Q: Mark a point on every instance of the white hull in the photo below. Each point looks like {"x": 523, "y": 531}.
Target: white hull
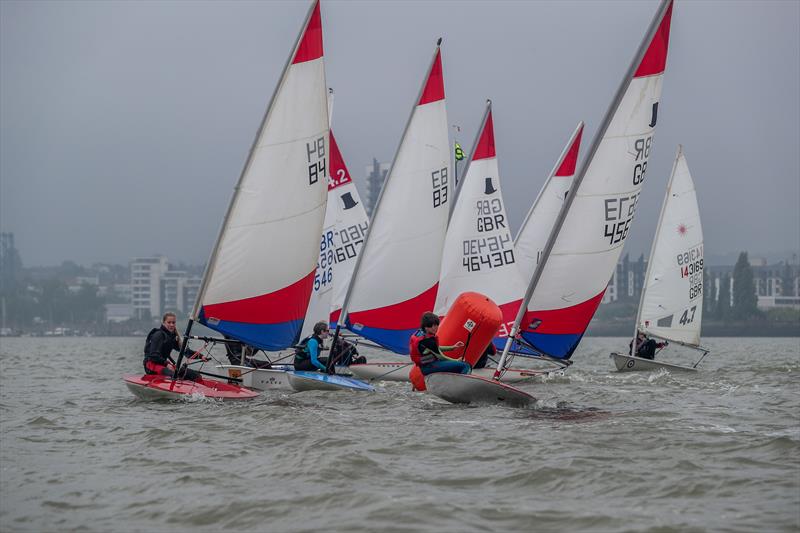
{"x": 468, "y": 388}
{"x": 258, "y": 378}
{"x": 627, "y": 363}
{"x": 400, "y": 372}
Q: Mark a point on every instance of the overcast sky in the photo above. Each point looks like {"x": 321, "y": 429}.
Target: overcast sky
{"x": 124, "y": 125}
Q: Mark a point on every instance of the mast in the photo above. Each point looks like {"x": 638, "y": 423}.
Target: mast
{"x": 471, "y": 154}
{"x": 330, "y": 105}
{"x": 354, "y": 276}
{"x": 214, "y": 252}
{"x": 652, "y": 251}
{"x": 598, "y": 138}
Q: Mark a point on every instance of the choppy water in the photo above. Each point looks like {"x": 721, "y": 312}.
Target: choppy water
{"x": 717, "y": 450}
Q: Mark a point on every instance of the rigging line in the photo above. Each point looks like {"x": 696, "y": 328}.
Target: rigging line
{"x": 705, "y": 353}
{"x": 390, "y": 371}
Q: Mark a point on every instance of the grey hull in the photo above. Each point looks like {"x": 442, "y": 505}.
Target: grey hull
{"x": 466, "y": 388}
{"x": 628, "y": 363}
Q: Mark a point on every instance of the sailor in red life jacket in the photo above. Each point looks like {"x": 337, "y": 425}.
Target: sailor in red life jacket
{"x": 426, "y": 352}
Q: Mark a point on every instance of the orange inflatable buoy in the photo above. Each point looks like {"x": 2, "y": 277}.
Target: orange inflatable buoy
{"x": 473, "y": 319}
{"x": 417, "y": 379}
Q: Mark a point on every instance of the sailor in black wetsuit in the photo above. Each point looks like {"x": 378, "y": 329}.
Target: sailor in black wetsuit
{"x": 158, "y": 347}
{"x": 646, "y": 348}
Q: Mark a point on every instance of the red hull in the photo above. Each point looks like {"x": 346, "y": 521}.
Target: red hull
{"x": 153, "y": 387}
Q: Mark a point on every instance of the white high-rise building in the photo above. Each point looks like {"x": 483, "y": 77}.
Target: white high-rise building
{"x": 146, "y": 275}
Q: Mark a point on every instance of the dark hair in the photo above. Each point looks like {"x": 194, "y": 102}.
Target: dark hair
{"x": 320, "y": 326}
{"x": 428, "y": 319}
{"x": 167, "y": 314}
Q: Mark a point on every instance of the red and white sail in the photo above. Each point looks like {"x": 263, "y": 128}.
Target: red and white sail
{"x": 478, "y": 250}
{"x": 260, "y": 275}
{"x": 398, "y": 270}
{"x": 532, "y": 235}
{"x": 672, "y": 297}
{"x": 587, "y": 239}
{"x": 346, "y": 224}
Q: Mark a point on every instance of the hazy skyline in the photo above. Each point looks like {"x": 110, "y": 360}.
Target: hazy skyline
{"x": 124, "y": 125}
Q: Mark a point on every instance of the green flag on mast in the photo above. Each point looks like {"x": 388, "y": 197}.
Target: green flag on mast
{"x": 459, "y": 152}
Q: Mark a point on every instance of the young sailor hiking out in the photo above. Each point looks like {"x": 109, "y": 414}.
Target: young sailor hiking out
{"x": 306, "y": 355}
{"x": 428, "y": 355}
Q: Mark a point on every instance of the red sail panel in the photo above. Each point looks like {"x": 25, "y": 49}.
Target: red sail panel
{"x": 403, "y": 315}
{"x": 276, "y": 307}
{"x": 339, "y": 173}
{"x": 567, "y": 167}
{"x": 655, "y": 59}
{"x": 434, "y": 86}
{"x": 485, "y": 147}
{"x": 310, "y": 47}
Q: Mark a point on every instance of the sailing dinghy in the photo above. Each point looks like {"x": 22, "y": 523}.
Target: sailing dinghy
{"x": 478, "y": 253}
{"x": 345, "y": 226}
{"x": 584, "y": 245}
{"x": 671, "y": 304}
{"x": 259, "y": 278}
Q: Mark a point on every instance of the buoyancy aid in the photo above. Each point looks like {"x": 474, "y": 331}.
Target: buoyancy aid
{"x": 413, "y": 348}
{"x": 147, "y": 341}
{"x": 301, "y": 348}
{"x": 159, "y": 345}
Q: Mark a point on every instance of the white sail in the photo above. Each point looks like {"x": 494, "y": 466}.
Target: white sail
{"x": 346, "y": 225}
{"x": 587, "y": 238}
{"x": 672, "y": 302}
{"x": 350, "y": 229}
{"x": 397, "y": 273}
{"x": 260, "y": 275}
{"x": 478, "y": 250}
{"x": 535, "y": 229}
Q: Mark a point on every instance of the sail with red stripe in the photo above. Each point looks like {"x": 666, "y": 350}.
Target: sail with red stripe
{"x": 479, "y": 251}
{"x": 587, "y": 238}
{"x": 346, "y": 224}
{"x": 397, "y": 272}
{"x": 261, "y": 272}
{"x": 535, "y": 229}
